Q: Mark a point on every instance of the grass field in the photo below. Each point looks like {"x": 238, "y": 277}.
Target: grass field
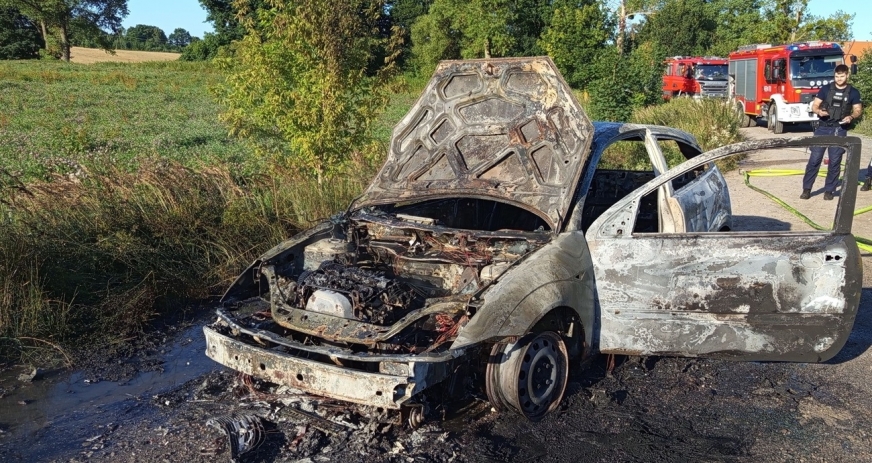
{"x": 122, "y": 198}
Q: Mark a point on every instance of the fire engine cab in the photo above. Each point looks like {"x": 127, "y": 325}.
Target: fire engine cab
{"x": 778, "y": 83}
{"x": 695, "y": 76}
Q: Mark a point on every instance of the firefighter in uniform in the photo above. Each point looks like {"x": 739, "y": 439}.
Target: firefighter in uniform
{"x": 837, "y": 104}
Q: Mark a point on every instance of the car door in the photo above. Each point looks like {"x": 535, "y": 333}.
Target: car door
{"x": 697, "y": 200}
{"x": 750, "y": 295}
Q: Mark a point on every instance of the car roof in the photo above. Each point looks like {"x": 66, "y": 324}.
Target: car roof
{"x": 606, "y": 133}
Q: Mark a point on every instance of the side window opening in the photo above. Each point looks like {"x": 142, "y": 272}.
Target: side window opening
{"x": 623, "y": 168}
{"x": 715, "y": 198}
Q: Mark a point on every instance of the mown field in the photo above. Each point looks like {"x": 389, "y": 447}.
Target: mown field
{"x": 81, "y": 55}
{"x": 122, "y": 199}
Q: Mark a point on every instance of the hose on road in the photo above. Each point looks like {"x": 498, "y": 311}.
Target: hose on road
{"x": 863, "y": 243}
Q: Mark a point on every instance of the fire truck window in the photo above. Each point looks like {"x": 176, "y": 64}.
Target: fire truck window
{"x": 767, "y": 70}
{"x": 682, "y": 70}
{"x": 779, "y": 70}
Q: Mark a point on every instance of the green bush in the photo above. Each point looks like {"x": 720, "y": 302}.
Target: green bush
{"x": 712, "y": 121}
{"x": 862, "y": 80}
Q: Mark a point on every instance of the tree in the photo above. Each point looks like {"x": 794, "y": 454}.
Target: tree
{"x": 680, "y": 27}
{"x": 834, "y": 28}
{"x": 738, "y": 23}
{"x": 625, "y": 82}
{"x": 786, "y": 21}
{"x": 226, "y": 17}
{"x": 180, "y": 38}
{"x": 529, "y": 20}
{"x": 19, "y": 38}
{"x": 462, "y": 29}
{"x": 59, "y": 20}
{"x": 575, "y": 40}
{"x": 402, "y": 14}
{"x": 144, "y": 37}
{"x": 862, "y": 80}
{"x": 297, "y": 86}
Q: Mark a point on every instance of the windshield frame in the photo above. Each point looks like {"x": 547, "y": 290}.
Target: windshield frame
{"x": 715, "y": 71}
{"x": 808, "y": 70}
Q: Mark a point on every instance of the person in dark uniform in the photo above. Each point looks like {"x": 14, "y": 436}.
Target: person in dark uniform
{"x": 837, "y": 104}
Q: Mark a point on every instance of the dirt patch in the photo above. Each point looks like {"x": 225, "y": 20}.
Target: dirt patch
{"x": 94, "y": 55}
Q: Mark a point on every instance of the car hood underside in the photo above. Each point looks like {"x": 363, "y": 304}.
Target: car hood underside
{"x": 503, "y": 129}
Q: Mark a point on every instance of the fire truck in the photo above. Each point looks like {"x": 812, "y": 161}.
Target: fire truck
{"x": 777, "y": 83}
{"x": 695, "y": 76}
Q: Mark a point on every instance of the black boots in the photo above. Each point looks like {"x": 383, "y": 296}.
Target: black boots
{"x": 805, "y": 194}
{"x": 867, "y": 184}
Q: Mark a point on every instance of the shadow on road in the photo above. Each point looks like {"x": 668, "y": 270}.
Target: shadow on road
{"x": 799, "y": 129}
{"x": 861, "y": 336}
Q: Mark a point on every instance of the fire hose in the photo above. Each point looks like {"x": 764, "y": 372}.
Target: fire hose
{"x": 863, "y": 243}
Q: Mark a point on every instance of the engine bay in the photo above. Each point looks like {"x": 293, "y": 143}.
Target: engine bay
{"x": 393, "y": 282}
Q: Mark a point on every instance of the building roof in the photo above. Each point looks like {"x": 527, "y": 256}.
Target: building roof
{"x": 856, "y": 47}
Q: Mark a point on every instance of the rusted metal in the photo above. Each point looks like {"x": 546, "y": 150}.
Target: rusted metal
{"x": 375, "y": 389}
{"x": 508, "y": 129}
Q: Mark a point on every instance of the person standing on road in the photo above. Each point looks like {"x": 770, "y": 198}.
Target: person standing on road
{"x": 837, "y": 104}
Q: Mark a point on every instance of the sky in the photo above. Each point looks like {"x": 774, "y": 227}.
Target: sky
{"x": 168, "y": 15}
{"x": 861, "y": 9}
{"x": 189, "y": 15}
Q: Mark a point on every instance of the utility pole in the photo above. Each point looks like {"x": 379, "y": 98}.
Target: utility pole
{"x": 623, "y": 16}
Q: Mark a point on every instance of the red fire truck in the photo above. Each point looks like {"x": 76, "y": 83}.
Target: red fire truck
{"x": 695, "y": 76}
{"x": 777, "y": 83}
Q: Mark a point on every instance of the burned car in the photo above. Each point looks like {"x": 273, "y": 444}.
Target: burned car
{"x": 493, "y": 244}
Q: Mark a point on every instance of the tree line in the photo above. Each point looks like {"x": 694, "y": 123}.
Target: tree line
{"x": 35, "y": 28}
{"x": 307, "y": 78}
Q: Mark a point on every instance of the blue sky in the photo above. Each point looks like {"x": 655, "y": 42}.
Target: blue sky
{"x": 862, "y": 10}
{"x": 189, "y": 15}
{"x": 168, "y": 15}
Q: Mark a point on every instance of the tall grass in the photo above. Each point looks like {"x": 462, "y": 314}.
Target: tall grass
{"x": 107, "y": 250}
{"x": 712, "y": 122}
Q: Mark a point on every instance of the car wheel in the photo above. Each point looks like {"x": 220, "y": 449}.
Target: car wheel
{"x": 528, "y": 376}
{"x": 774, "y": 124}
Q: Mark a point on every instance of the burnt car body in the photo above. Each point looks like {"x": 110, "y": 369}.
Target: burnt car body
{"x": 491, "y": 241}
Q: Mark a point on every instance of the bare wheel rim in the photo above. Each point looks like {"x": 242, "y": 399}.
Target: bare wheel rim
{"x": 533, "y": 377}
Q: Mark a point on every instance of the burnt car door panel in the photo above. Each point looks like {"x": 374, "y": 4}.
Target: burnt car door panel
{"x": 743, "y": 295}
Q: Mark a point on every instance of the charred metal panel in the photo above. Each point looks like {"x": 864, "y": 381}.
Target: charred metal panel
{"x": 772, "y": 298}
{"x": 507, "y": 129}
{"x": 308, "y": 351}
{"x": 557, "y": 275}
{"x": 375, "y": 389}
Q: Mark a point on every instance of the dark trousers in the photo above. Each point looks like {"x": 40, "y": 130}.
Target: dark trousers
{"x": 817, "y": 155}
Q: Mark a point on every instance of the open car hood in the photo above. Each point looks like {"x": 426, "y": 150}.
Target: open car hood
{"x": 506, "y": 129}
